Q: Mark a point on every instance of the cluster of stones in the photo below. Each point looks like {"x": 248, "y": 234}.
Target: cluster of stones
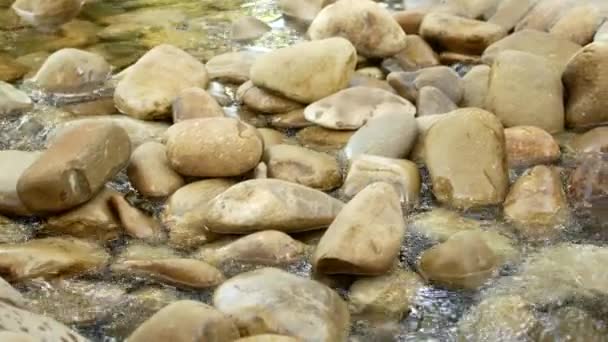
{"x": 373, "y": 98}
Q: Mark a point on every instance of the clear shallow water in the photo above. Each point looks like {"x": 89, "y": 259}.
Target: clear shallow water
{"x": 122, "y": 31}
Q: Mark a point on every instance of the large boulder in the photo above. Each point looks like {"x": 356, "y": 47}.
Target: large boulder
{"x": 213, "y": 147}
{"x": 148, "y": 95}
{"x": 74, "y": 168}
{"x": 263, "y": 204}
{"x": 310, "y": 70}
{"x": 372, "y": 29}
{"x": 270, "y": 300}
{"x": 465, "y": 155}
{"x": 525, "y": 90}
{"x": 586, "y": 80}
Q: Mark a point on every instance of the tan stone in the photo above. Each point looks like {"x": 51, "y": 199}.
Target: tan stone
{"x": 303, "y": 166}
{"x": 365, "y": 238}
{"x": 98, "y": 107}
{"x": 248, "y": 28}
{"x": 510, "y": 12}
{"x": 13, "y": 164}
{"x": 150, "y": 173}
{"x": 302, "y": 10}
{"x": 10, "y": 69}
{"x": 458, "y": 34}
{"x": 525, "y": 90}
{"x": 263, "y": 101}
{"x": 401, "y": 173}
{"x": 135, "y": 223}
{"x": 272, "y": 137}
{"x": 417, "y": 54}
{"x": 544, "y": 14}
{"x": 292, "y": 119}
{"x": 195, "y": 103}
{"x": 451, "y": 58}
{"x": 537, "y": 204}
{"x": 74, "y": 168}
{"x": 270, "y": 204}
{"x": 529, "y": 145}
{"x": 595, "y": 140}
{"x": 555, "y": 49}
{"x": 585, "y": 80}
{"x": 359, "y": 80}
{"x": 407, "y": 84}
{"x": 410, "y": 20}
{"x": 432, "y": 101}
{"x": 213, "y": 147}
{"x": 185, "y": 321}
{"x": 475, "y": 84}
{"x": 232, "y": 67}
{"x": 323, "y": 139}
{"x": 466, "y": 158}
{"x": 50, "y": 257}
{"x": 370, "y": 27}
{"x": 578, "y": 24}
{"x": 333, "y": 61}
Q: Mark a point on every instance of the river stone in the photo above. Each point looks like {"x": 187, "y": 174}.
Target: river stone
{"x": 271, "y": 137}
{"x": 588, "y": 187}
{"x": 11, "y": 69}
{"x": 184, "y": 212}
{"x": 74, "y": 168}
{"x": 475, "y": 85}
{"x": 418, "y": 54}
{"x": 501, "y": 318}
{"x": 263, "y": 204}
{"x": 402, "y": 174}
{"x": 93, "y": 220}
{"x": 50, "y": 257}
{"x": 310, "y": 70}
{"x": 72, "y": 71}
{"x": 302, "y": 10}
{"x": 83, "y": 302}
{"x": 466, "y": 158}
{"x": 179, "y": 272}
{"x": 270, "y": 300}
{"x": 365, "y": 238}
{"x": 291, "y": 119}
{"x": 135, "y": 223}
{"x": 268, "y": 248}
{"x": 10, "y": 296}
{"x": 248, "y": 28}
{"x": 433, "y": 101}
{"x": 595, "y": 140}
{"x": 195, "y": 103}
{"x": 194, "y": 146}
{"x": 407, "y": 84}
{"x": 12, "y": 100}
{"x": 303, "y": 166}
{"x": 544, "y": 14}
{"x": 232, "y": 67}
{"x": 360, "y": 80}
{"x": 578, "y": 24}
{"x": 139, "y": 131}
{"x": 97, "y": 107}
{"x": 150, "y": 172}
{"x": 323, "y": 139}
{"x": 38, "y": 327}
{"x": 47, "y": 15}
{"x": 390, "y": 135}
{"x": 440, "y": 224}
{"x": 424, "y": 123}
{"x": 571, "y": 321}
{"x": 509, "y": 12}
{"x": 351, "y": 108}
{"x": 529, "y": 146}
{"x": 524, "y": 89}
{"x": 148, "y": 95}
{"x": 362, "y": 22}
{"x": 585, "y": 79}
{"x": 263, "y": 101}
{"x": 537, "y": 204}
{"x": 458, "y": 34}
{"x": 13, "y": 164}
{"x": 555, "y": 49}
{"x": 384, "y": 297}
{"x": 410, "y": 19}
{"x": 268, "y": 338}
{"x": 186, "y": 321}
{"x": 463, "y": 261}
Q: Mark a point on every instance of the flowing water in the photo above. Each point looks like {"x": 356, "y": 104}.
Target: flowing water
{"x": 121, "y": 31}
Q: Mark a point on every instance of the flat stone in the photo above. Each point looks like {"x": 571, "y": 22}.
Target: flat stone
{"x": 98, "y": 107}
{"x": 365, "y": 238}
{"x": 466, "y": 158}
{"x": 451, "y": 58}
{"x": 279, "y": 205}
{"x": 47, "y": 15}
{"x": 544, "y": 14}
{"x": 529, "y": 146}
{"x": 263, "y": 101}
{"x": 459, "y": 34}
{"x": 525, "y": 90}
{"x": 361, "y": 22}
{"x": 150, "y": 173}
{"x": 269, "y": 300}
{"x": 333, "y": 61}
{"x": 351, "y": 108}
{"x": 323, "y": 139}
